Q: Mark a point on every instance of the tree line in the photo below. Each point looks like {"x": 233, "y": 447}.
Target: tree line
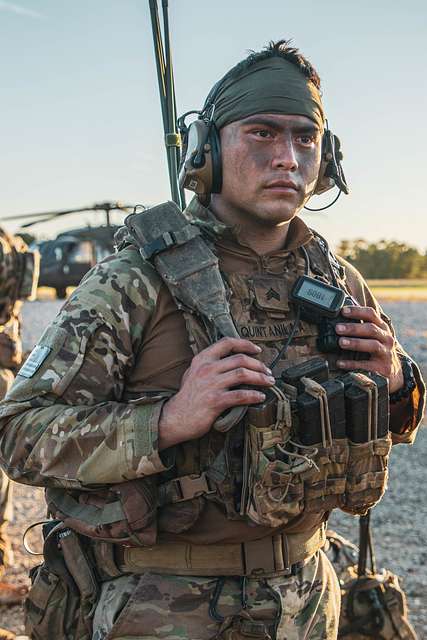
{"x": 384, "y": 259}
{"x": 377, "y": 260}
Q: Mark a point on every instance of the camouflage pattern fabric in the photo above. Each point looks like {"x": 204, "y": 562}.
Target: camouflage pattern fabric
{"x": 78, "y": 423}
{"x": 11, "y": 273}
{"x": 6, "y": 507}
{"x": 10, "y": 247}
{"x": 10, "y": 347}
{"x": 300, "y": 607}
{"x": 373, "y": 605}
{"x": 6, "y": 381}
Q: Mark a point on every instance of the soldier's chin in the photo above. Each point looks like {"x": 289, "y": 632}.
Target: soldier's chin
{"x": 280, "y": 211}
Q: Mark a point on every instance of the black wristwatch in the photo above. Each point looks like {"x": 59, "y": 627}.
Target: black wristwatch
{"x": 409, "y": 382}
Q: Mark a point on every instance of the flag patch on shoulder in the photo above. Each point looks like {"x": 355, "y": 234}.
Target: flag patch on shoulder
{"x": 34, "y": 361}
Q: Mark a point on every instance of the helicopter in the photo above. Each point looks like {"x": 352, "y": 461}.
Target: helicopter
{"x": 65, "y": 259}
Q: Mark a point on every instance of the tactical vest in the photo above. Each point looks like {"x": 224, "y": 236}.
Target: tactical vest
{"x": 236, "y": 464}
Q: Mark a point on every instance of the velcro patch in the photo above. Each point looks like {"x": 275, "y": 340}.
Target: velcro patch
{"x": 34, "y": 361}
{"x": 271, "y": 293}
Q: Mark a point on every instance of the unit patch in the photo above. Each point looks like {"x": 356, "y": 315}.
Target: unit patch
{"x": 34, "y": 361}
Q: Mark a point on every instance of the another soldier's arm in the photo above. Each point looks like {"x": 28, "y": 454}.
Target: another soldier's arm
{"x": 64, "y": 424}
{"x": 405, "y": 416}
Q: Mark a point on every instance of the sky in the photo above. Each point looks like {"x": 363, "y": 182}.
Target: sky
{"x": 80, "y": 118}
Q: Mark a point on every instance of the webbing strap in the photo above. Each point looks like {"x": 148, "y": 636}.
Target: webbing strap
{"x": 316, "y": 390}
{"x": 366, "y": 546}
{"x": 87, "y": 513}
{"x": 167, "y": 240}
{"x": 369, "y": 385}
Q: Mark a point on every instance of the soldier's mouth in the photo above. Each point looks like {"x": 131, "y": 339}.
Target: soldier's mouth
{"x": 282, "y": 187}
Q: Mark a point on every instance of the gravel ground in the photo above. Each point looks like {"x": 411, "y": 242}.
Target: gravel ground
{"x": 399, "y": 520}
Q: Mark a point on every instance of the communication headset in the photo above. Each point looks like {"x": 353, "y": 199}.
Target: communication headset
{"x": 201, "y": 168}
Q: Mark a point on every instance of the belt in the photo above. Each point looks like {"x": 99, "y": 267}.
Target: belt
{"x": 281, "y": 554}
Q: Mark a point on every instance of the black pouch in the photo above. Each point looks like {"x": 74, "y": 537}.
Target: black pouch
{"x": 310, "y": 409}
{"x": 369, "y": 441}
{"x": 317, "y": 369}
{"x": 63, "y": 595}
{"x": 321, "y": 422}
{"x": 358, "y": 406}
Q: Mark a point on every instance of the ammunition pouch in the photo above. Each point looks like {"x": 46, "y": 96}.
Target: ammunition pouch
{"x": 273, "y": 490}
{"x": 297, "y": 456}
{"x": 127, "y": 516}
{"x": 367, "y": 417}
{"x": 64, "y": 592}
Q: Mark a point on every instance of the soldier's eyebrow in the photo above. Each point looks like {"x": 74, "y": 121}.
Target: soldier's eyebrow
{"x": 265, "y": 121}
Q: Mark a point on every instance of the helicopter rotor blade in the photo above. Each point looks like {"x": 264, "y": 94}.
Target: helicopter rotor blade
{"x": 52, "y": 214}
{"x": 26, "y": 225}
{"x": 48, "y": 215}
{"x": 127, "y": 207}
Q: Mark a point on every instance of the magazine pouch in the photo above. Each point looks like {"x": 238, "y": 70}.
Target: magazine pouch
{"x": 367, "y": 414}
{"x": 64, "y": 591}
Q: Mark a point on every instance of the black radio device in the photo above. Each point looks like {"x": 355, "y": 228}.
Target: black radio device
{"x": 322, "y": 304}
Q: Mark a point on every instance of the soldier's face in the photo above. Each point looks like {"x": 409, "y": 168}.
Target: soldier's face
{"x": 270, "y": 165}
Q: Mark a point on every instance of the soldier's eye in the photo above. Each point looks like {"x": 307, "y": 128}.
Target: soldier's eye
{"x": 306, "y": 140}
{"x": 262, "y": 133}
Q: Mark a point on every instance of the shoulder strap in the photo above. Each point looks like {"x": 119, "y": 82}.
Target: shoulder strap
{"x": 184, "y": 261}
{"x": 319, "y": 250}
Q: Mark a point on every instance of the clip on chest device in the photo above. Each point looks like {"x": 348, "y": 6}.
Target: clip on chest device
{"x": 322, "y": 304}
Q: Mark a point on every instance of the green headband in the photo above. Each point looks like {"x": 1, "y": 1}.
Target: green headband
{"x": 272, "y": 85}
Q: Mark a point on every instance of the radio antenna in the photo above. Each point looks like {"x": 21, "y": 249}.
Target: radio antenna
{"x": 165, "y": 77}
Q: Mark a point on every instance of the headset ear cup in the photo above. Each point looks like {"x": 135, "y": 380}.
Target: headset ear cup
{"x": 215, "y": 144}
{"x": 324, "y": 182}
{"x": 331, "y": 173}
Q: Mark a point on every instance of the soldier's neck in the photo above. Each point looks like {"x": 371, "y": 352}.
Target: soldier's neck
{"x": 257, "y": 234}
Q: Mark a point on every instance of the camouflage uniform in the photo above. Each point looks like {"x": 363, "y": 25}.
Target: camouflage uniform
{"x": 287, "y": 608}
{"x": 14, "y": 269}
{"x": 10, "y": 352}
{"x": 83, "y": 416}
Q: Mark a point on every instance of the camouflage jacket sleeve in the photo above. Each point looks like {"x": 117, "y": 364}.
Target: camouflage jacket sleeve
{"x": 66, "y": 421}
{"x": 405, "y": 416}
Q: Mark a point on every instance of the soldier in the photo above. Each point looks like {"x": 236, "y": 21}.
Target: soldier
{"x": 174, "y": 450}
{"x": 18, "y": 271}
